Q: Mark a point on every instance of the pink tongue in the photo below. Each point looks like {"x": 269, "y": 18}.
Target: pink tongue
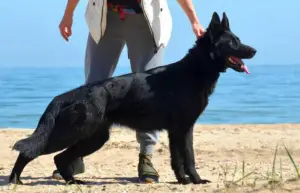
{"x": 246, "y": 69}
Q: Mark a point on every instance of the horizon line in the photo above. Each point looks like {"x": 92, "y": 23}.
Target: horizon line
{"x": 120, "y": 66}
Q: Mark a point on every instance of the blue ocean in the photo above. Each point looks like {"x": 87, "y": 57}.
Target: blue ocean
{"x": 270, "y": 94}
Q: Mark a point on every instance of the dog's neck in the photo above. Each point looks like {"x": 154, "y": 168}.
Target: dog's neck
{"x": 203, "y": 65}
{"x": 212, "y": 55}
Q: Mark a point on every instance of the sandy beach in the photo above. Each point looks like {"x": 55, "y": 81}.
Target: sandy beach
{"x": 220, "y": 151}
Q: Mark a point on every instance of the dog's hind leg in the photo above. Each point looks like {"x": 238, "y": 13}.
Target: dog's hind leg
{"x": 20, "y": 164}
{"x": 187, "y": 152}
{"x": 83, "y": 148}
{"x": 176, "y": 159}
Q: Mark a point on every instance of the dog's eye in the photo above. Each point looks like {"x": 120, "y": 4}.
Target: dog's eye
{"x": 231, "y": 42}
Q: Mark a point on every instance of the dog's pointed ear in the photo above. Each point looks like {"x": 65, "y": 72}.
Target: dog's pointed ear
{"x": 215, "y": 25}
{"x": 215, "y": 18}
{"x": 225, "y": 21}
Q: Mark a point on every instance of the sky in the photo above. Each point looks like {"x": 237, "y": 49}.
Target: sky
{"x": 29, "y": 34}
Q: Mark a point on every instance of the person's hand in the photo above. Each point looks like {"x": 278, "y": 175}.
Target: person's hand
{"x": 198, "y": 29}
{"x": 65, "y": 26}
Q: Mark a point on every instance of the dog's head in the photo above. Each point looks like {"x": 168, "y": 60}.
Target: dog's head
{"x": 227, "y": 46}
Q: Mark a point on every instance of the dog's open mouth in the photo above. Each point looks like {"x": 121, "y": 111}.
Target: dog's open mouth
{"x": 237, "y": 64}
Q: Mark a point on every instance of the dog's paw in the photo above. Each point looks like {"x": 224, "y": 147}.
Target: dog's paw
{"x": 75, "y": 182}
{"x": 13, "y": 179}
{"x": 201, "y": 181}
{"x": 184, "y": 180}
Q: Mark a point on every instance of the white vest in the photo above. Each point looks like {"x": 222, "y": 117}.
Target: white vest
{"x": 157, "y": 14}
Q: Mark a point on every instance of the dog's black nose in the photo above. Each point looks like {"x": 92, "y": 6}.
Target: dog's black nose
{"x": 253, "y": 51}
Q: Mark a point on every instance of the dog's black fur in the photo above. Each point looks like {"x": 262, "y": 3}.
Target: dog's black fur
{"x": 170, "y": 97}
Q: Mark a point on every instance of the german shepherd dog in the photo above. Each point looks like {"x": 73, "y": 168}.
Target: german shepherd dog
{"x": 169, "y": 97}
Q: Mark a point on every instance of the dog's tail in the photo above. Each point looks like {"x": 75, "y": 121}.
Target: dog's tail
{"x": 34, "y": 145}
{"x": 30, "y": 147}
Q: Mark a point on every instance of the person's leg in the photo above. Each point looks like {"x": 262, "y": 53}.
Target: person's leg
{"x": 143, "y": 56}
{"x": 101, "y": 59}
{"x": 100, "y": 62}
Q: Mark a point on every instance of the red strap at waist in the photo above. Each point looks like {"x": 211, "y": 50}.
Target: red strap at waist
{"x": 121, "y": 9}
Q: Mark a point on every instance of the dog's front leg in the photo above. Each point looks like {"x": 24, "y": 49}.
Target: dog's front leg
{"x": 177, "y": 160}
{"x": 189, "y": 159}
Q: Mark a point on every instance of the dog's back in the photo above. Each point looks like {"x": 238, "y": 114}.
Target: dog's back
{"x": 155, "y": 98}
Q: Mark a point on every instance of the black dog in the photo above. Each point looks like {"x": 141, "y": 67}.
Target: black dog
{"x": 170, "y": 97}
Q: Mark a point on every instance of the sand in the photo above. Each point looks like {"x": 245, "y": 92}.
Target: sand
{"x": 114, "y": 167}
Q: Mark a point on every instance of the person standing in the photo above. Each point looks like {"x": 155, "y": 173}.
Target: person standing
{"x": 144, "y": 26}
